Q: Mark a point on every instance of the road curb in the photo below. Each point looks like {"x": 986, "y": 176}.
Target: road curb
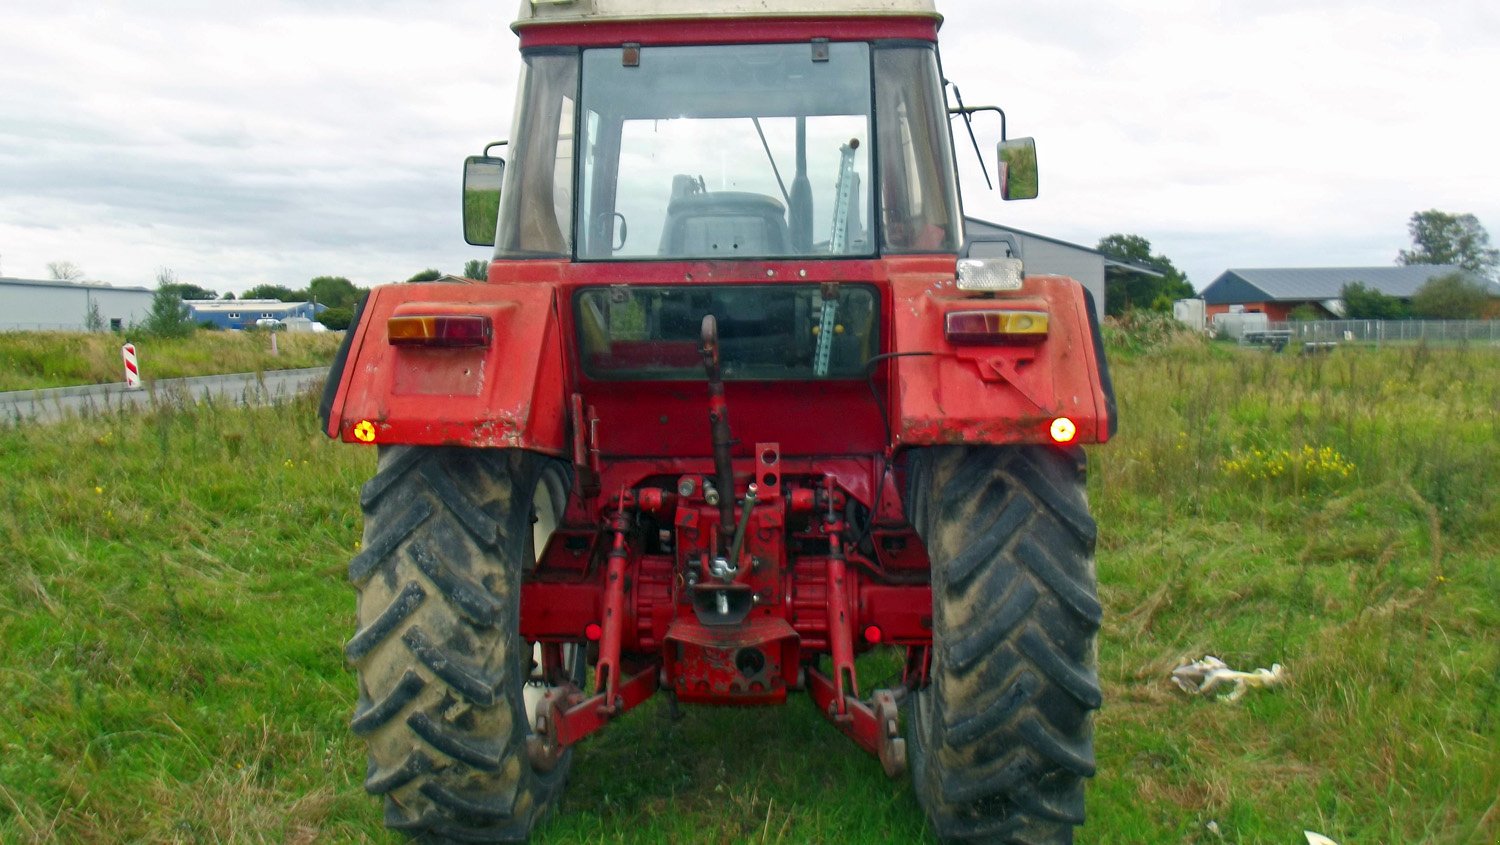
{"x": 50, "y": 404}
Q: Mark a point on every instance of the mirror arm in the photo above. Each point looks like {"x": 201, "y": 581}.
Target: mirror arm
{"x": 968, "y": 115}
{"x": 978, "y": 109}
{"x": 493, "y": 144}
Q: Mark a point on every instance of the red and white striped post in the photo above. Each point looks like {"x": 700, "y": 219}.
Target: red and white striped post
{"x": 132, "y": 369}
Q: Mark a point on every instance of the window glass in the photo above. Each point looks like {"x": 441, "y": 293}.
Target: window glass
{"x": 919, "y": 202}
{"x": 736, "y": 151}
{"x": 766, "y": 332}
{"x": 537, "y": 200}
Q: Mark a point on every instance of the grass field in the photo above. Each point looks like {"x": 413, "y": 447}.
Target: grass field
{"x": 173, "y": 605}
{"x": 31, "y": 360}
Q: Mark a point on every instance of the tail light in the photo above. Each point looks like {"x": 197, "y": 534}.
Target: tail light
{"x": 1063, "y": 430}
{"x": 439, "y": 330}
{"x": 995, "y": 326}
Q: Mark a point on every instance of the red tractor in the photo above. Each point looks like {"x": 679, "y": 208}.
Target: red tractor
{"x": 716, "y": 211}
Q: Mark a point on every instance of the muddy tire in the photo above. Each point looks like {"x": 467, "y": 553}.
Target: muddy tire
{"x": 1001, "y": 739}
{"x": 448, "y": 533}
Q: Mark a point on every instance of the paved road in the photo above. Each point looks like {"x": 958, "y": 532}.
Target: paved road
{"x": 240, "y": 388}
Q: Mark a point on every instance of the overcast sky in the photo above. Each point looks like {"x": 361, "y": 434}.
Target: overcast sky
{"x": 296, "y": 138}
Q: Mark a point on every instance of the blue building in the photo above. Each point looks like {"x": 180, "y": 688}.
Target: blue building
{"x": 242, "y": 313}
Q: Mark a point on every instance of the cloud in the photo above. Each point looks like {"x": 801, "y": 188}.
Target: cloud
{"x": 282, "y": 140}
{"x": 243, "y": 144}
{"x": 1234, "y": 134}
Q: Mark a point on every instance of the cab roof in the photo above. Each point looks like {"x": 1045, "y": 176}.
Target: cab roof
{"x": 620, "y": 11}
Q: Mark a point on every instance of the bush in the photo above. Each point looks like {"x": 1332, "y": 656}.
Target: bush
{"x": 169, "y": 317}
{"x": 1450, "y": 297}
{"x": 1365, "y": 303}
{"x": 1139, "y": 331}
{"x": 337, "y": 319}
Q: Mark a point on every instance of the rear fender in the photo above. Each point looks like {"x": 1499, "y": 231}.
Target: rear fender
{"x": 509, "y": 394}
{"x": 947, "y": 394}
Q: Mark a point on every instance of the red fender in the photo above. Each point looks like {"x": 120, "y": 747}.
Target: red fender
{"x": 950, "y": 394}
{"x": 507, "y": 394}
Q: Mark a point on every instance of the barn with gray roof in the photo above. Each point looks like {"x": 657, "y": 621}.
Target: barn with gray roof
{"x": 1275, "y": 292}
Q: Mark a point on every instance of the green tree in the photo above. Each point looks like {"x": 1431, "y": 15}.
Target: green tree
{"x": 187, "y": 290}
{"x": 428, "y": 275}
{"x": 1442, "y": 238}
{"x": 1452, "y": 296}
{"x": 1306, "y": 312}
{"x": 476, "y": 268}
{"x": 1367, "y": 303}
{"x": 337, "y": 319}
{"x": 277, "y": 292}
{"x": 333, "y": 291}
{"x": 168, "y": 316}
{"x": 1126, "y": 289}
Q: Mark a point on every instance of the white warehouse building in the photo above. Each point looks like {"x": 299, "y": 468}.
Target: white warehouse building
{"x": 40, "y": 305}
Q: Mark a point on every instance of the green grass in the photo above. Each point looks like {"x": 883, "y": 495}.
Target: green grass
{"x": 481, "y": 214}
{"x": 173, "y": 605}
{"x": 31, "y": 360}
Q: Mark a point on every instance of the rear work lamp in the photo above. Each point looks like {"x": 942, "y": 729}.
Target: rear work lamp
{"x": 995, "y": 327}
{"x": 990, "y": 274}
{"x": 439, "y": 330}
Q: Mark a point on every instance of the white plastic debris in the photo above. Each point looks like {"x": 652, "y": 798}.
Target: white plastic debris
{"x": 1317, "y": 838}
{"x": 1203, "y": 677}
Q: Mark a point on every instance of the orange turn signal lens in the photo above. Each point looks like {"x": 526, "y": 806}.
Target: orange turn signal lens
{"x": 995, "y": 326}
{"x": 439, "y": 330}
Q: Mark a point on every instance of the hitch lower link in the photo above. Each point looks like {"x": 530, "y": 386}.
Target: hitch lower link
{"x": 873, "y": 724}
{"x": 565, "y": 715}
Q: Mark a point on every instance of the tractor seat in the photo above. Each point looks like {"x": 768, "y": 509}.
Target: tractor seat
{"x": 726, "y": 224}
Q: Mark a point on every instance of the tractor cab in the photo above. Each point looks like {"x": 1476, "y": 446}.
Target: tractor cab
{"x": 801, "y": 150}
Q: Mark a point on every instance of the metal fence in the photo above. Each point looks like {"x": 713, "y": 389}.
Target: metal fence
{"x": 1392, "y": 331}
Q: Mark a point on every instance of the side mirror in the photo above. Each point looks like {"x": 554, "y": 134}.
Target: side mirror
{"x": 483, "y": 176}
{"x": 1018, "y": 174}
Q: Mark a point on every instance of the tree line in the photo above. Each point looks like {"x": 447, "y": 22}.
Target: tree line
{"x": 170, "y": 316}
{"x": 1438, "y": 237}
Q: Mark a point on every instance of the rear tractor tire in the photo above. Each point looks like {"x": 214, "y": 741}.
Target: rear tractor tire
{"x": 1001, "y": 738}
{"x": 442, "y": 669}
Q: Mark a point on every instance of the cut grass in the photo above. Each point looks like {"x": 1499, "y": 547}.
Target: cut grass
{"x": 34, "y": 360}
{"x": 173, "y": 607}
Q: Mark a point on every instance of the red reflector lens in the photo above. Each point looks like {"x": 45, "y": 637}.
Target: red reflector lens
{"x": 972, "y": 327}
{"x": 873, "y": 635}
{"x": 439, "y": 330}
{"x": 1063, "y": 430}
{"x": 593, "y": 631}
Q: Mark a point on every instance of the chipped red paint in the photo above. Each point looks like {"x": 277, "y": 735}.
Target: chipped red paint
{"x": 505, "y": 395}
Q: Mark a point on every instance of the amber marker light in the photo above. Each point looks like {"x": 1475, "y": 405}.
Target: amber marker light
{"x": 439, "y": 330}
{"x": 1064, "y": 430}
